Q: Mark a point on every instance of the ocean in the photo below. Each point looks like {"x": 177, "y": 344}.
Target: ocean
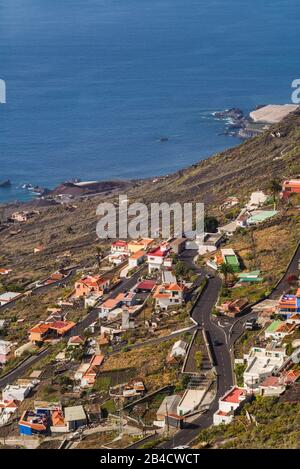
{"x": 93, "y": 85}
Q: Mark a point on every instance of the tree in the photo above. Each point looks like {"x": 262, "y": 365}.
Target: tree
{"x": 274, "y": 187}
{"x": 226, "y": 270}
{"x": 99, "y": 255}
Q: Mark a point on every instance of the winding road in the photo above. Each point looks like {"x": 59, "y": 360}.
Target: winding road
{"x": 225, "y": 331}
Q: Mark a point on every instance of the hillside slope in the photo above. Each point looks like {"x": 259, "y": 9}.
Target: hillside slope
{"x": 237, "y": 171}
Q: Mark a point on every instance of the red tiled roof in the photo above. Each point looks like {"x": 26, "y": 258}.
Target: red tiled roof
{"x": 234, "y": 395}
{"x": 120, "y": 243}
{"x": 146, "y": 285}
{"x": 270, "y": 381}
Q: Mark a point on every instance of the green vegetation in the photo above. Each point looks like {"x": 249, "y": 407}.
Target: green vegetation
{"x": 273, "y": 425}
{"x": 102, "y": 383}
{"x": 239, "y": 371}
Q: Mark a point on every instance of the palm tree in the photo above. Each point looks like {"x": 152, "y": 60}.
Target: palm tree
{"x": 226, "y": 270}
{"x": 99, "y": 255}
{"x": 274, "y": 187}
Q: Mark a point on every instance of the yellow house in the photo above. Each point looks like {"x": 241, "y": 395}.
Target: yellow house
{"x": 140, "y": 245}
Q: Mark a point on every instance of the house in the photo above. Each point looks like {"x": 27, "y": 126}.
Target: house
{"x": 289, "y": 305}
{"x": 118, "y": 252}
{"x": 119, "y": 247}
{"x": 5, "y": 271}
{"x": 257, "y": 199}
{"x": 229, "y": 404}
{"x": 76, "y": 341}
{"x": 233, "y": 308}
{"x": 32, "y": 423}
{"x": 61, "y": 328}
{"x": 158, "y": 258}
{"x": 127, "y": 299}
{"x": 168, "y": 408}
{"x": 22, "y": 216}
{"x": 58, "y": 424}
{"x": 5, "y": 348}
{"x": 167, "y": 276}
{"x": 294, "y": 319}
{"x": 91, "y": 285}
{"x": 139, "y": 245}
{"x": 290, "y": 376}
{"x": 91, "y": 300}
{"x": 7, "y": 409}
{"x": 262, "y": 363}
{"x": 210, "y": 243}
{"x": 278, "y": 330}
{"x": 109, "y": 305}
{"x": 39, "y": 248}
{"x": 290, "y": 187}
{"x": 250, "y": 277}
{"x": 177, "y": 245}
{"x": 16, "y": 392}
{"x": 272, "y": 386}
{"x": 228, "y": 256}
{"x": 103, "y": 341}
{"x": 145, "y": 286}
{"x": 136, "y": 259}
{"x": 75, "y": 417}
{"x": 179, "y": 349}
{"x": 134, "y": 388}
{"x": 89, "y": 376}
{"x": 41, "y": 332}
{"x": 81, "y": 370}
{"x": 9, "y": 296}
{"x": 38, "y": 333}
{"x": 167, "y": 295}
{"x": 259, "y": 216}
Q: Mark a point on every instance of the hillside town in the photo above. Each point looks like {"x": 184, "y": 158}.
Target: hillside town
{"x": 153, "y": 341}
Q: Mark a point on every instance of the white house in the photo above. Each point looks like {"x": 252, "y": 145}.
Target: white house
{"x": 272, "y": 386}
{"x": 158, "y": 258}
{"x": 7, "y": 408}
{"x": 228, "y": 405}
{"x": 278, "y": 330}
{"x": 118, "y": 252}
{"x": 168, "y": 294}
{"x": 15, "y": 392}
{"x": 136, "y": 259}
{"x": 257, "y": 199}
{"x": 261, "y": 363}
{"x": 210, "y": 242}
{"x": 8, "y": 296}
{"x": 5, "y": 348}
{"x": 179, "y": 349}
{"x": 75, "y": 417}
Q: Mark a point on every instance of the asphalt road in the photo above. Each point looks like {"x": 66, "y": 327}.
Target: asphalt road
{"x": 225, "y": 330}
{"x": 201, "y": 313}
{"x": 17, "y": 373}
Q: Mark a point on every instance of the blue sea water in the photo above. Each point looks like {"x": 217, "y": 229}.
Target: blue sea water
{"x": 92, "y": 85}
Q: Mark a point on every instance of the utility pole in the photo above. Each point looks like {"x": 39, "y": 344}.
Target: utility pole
{"x": 120, "y": 413}
{"x": 167, "y": 415}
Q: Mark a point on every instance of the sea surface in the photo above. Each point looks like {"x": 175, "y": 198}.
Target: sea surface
{"x": 93, "y": 85}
